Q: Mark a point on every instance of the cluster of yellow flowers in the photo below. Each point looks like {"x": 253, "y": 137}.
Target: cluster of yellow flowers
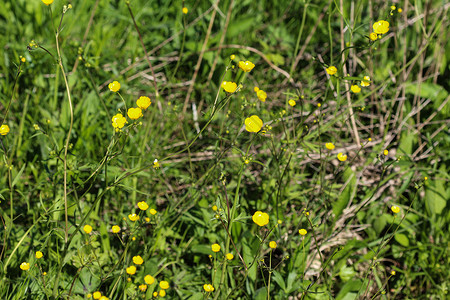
{"x": 134, "y": 113}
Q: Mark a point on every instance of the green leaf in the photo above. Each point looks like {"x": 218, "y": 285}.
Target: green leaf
{"x": 346, "y": 273}
{"x": 402, "y": 239}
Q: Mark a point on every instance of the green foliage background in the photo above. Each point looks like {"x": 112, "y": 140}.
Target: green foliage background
{"x": 405, "y": 110}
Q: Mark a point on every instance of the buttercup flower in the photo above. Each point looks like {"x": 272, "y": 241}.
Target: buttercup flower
{"x": 208, "y": 288}
{"x": 24, "y": 266}
{"x": 232, "y": 56}
{"x": 39, "y": 254}
{"x": 162, "y": 293}
{"x": 156, "y": 164}
{"x": 142, "y": 205}
{"x": 260, "y": 218}
{"x": 253, "y": 124}
{"x": 229, "y": 256}
{"x": 104, "y": 298}
{"x": 115, "y": 229}
{"x": 134, "y": 113}
{"x": 87, "y": 228}
{"x": 395, "y": 209}
{"x": 273, "y": 244}
{"x": 143, "y": 102}
{"x": 214, "y": 208}
{"x": 381, "y": 27}
{"x": 138, "y": 260}
{"x": 153, "y": 211}
{"x": 131, "y": 270}
{"x": 97, "y": 295}
{"x": 366, "y": 81}
{"x": 329, "y": 146}
{"x": 215, "y": 247}
{"x": 143, "y": 287}
{"x": 4, "y": 129}
{"x": 246, "y": 66}
{"x": 292, "y": 102}
{"x": 164, "y": 285}
{"x": 149, "y": 279}
{"x": 385, "y": 152}
{"x": 262, "y": 96}
{"x": 229, "y": 86}
{"x": 47, "y": 2}
{"x": 331, "y": 70}
{"x": 302, "y": 231}
{"x": 155, "y": 294}
{"x": 114, "y": 86}
{"x": 393, "y": 273}
{"x": 341, "y": 156}
{"x": 355, "y": 89}
{"x": 185, "y": 10}
{"x": 118, "y": 121}
{"x": 373, "y": 36}
{"x": 133, "y": 217}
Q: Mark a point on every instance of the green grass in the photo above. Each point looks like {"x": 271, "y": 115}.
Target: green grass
{"x": 81, "y": 170}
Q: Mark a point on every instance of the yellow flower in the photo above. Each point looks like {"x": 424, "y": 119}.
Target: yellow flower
{"x": 162, "y": 293}
{"x": 39, "y": 254}
{"x": 138, "y": 260}
{"x": 386, "y": 152}
{"x": 355, "y": 89}
{"x": 393, "y": 273}
{"x": 246, "y": 66}
{"x": 341, "y": 156}
{"x": 45, "y": 273}
{"x": 23, "y": 59}
{"x": 229, "y": 256}
{"x": 104, "y": 298}
{"x": 260, "y": 218}
{"x": 366, "y": 81}
{"x": 185, "y": 10}
{"x": 24, "y": 266}
{"x": 393, "y": 7}
{"x": 381, "y": 27}
{"x": 143, "y": 287}
{"x": 232, "y": 56}
{"x": 142, "y": 205}
{"x": 373, "y": 36}
{"x": 87, "y": 228}
{"x": 208, "y": 288}
{"x": 47, "y": 2}
{"x": 115, "y": 229}
{"x": 329, "y": 146}
{"x": 4, "y": 129}
{"x": 331, "y": 70}
{"x": 253, "y": 124}
{"x": 256, "y": 89}
{"x": 114, "y": 86}
{"x": 153, "y": 211}
{"x": 147, "y": 219}
{"x": 214, "y": 208}
{"x": 131, "y": 270}
{"x": 134, "y": 113}
{"x": 302, "y": 231}
{"x": 229, "y": 86}
{"x": 143, "y": 102}
{"x": 215, "y": 247}
{"x": 262, "y": 96}
{"x": 156, "y": 164}
{"x": 292, "y": 102}
{"x": 133, "y": 217}
{"x": 164, "y": 285}
{"x": 149, "y": 279}
{"x": 395, "y": 209}
{"x": 319, "y": 104}
{"x": 155, "y": 294}
{"x": 400, "y": 10}
{"x": 273, "y": 244}
{"x": 118, "y": 121}
{"x": 97, "y": 295}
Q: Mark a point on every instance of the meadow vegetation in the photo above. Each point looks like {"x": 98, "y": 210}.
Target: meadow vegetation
{"x": 284, "y": 149}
